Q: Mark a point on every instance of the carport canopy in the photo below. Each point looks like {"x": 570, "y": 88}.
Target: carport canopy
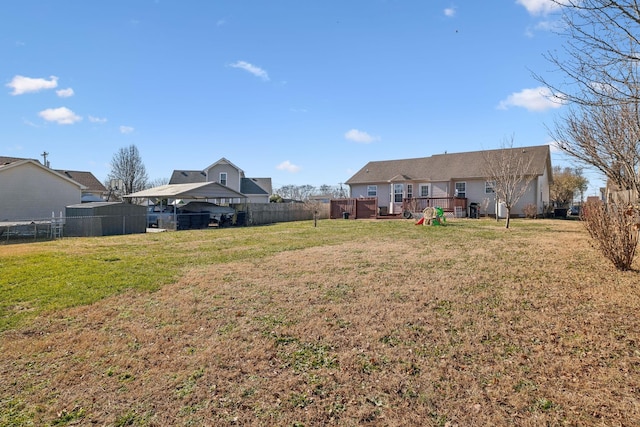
{"x": 196, "y": 191}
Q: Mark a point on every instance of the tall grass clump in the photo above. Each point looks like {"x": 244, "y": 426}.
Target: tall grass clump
{"x": 615, "y": 231}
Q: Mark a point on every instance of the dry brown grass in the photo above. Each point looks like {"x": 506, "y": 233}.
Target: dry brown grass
{"x": 529, "y": 329}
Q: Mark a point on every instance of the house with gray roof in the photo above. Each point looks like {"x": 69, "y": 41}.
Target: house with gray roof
{"x": 459, "y": 178}
{"x": 31, "y": 191}
{"x": 93, "y": 191}
{"x": 257, "y": 190}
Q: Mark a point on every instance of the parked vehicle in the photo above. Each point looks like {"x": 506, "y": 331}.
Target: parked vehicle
{"x": 157, "y": 215}
{"x": 220, "y": 215}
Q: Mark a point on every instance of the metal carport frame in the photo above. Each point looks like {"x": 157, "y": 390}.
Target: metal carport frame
{"x": 195, "y": 191}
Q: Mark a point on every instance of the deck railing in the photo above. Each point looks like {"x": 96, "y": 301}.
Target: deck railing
{"x": 448, "y": 204}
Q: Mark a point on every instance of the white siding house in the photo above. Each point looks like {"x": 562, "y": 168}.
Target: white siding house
{"x": 256, "y": 190}
{"x": 30, "y": 191}
{"x": 447, "y": 176}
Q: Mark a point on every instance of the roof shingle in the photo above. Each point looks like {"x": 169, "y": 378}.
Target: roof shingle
{"x": 442, "y": 167}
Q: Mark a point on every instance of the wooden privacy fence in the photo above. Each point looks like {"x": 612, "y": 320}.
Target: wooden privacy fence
{"x": 354, "y": 208}
{"x": 270, "y": 213}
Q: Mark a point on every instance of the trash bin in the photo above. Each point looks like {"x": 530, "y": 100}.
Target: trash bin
{"x": 474, "y": 212}
{"x": 345, "y": 215}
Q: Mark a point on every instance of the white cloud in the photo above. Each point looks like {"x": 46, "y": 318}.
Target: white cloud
{"x": 536, "y": 99}
{"x": 539, "y": 7}
{"x": 256, "y": 71}
{"x": 22, "y": 84}
{"x": 93, "y": 119}
{"x": 65, "y": 93}
{"x": 62, "y": 116}
{"x": 126, "y": 129}
{"x": 360, "y": 136}
{"x": 450, "y": 12}
{"x": 288, "y": 166}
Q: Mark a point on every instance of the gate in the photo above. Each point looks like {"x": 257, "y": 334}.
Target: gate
{"x": 354, "y": 208}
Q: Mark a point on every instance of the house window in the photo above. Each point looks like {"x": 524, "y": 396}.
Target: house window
{"x": 223, "y": 178}
{"x": 409, "y": 191}
{"x": 461, "y": 189}
{"x": 424, "y": 190}
{"x": 397, "y": 193}
{"x": 372, "y": 190}
{"x": 489, "y": 187}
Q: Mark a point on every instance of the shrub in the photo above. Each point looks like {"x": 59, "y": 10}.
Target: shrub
{"x": 614, "y": 229}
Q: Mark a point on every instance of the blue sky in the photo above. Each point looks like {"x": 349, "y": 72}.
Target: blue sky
{"x": 304, "y": 92}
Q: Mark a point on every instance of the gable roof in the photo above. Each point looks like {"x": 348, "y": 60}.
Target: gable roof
{"x": 224, "y": 161}
{"x": 247, "y": 186}
{"x": 20, "y": 162}
{"x": 252, "y": 186}
{"x": 187, "y": 177}
{"x": 197, "y": 190}
{"x": 85, "y": 178}
{"x": 264, "y": 183}
{"x": 6, "y": 160}
{"x": 444, "y": 167}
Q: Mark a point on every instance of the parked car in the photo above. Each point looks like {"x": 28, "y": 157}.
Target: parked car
{"x": 220, "y": 215}
{"x": 159, "y": 214}
{"x": 574, "y": 210}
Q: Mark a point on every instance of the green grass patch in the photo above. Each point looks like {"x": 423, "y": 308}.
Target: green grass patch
{"x": 71, "y": 272}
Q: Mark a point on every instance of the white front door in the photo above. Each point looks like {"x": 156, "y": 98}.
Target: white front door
{"x": 397, "y": 193}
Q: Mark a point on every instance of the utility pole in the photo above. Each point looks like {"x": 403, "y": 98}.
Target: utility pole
{"x": 44, "y": 156}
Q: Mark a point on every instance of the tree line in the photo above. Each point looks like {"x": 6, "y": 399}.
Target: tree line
{"x": 302, "y": 193}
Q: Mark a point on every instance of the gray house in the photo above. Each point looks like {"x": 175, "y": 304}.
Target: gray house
{"x": 93, "y": 191}
{"x": 31, "y": 191}
{"x": 256, "y": 190}
{"x": 454, "y": 181}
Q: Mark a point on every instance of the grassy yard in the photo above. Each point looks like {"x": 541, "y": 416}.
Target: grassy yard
{"x": 348, "y": 323}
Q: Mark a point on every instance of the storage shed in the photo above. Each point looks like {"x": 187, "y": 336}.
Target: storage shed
{"x": 104, "y": 219}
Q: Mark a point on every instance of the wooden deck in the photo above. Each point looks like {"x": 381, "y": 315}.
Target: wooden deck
{"x": 368, "y": 207}
{"x": 448, "y": 204}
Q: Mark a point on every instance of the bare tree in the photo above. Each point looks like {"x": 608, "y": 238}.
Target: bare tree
{"x": 602, "y": 128}
{"x": 157, "y": 182}
{"x": 509, "y": 170}
{"x": 605, "y": 136}
{"x": 599, "y": 57}
{"x": 295, "y": 192}
{"x": 127, "y": 166}
{"x": 601, "y": 82}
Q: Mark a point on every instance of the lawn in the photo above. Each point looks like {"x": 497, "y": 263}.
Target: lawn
{"x": 347, "y": 323}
